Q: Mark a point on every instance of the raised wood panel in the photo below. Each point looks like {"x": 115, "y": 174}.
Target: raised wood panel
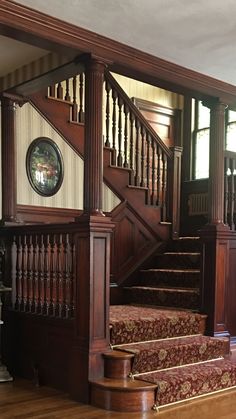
{"x": 161, "y": 118}
{"x": 39, "y": 348}
{"x": 222, "y": 274}
{"x": 231, "y": 287}
{"x": 132, "y": 241}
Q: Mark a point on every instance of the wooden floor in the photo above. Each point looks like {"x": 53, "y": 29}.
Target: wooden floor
{"x": 21, "y": 399}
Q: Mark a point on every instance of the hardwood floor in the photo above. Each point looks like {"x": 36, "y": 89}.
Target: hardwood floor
{"x": 22, "y": 400}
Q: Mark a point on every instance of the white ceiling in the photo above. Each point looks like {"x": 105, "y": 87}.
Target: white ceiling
{"x": 197, "y": 34}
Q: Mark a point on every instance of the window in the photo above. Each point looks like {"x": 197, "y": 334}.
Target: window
{"x": 201, "y": 137}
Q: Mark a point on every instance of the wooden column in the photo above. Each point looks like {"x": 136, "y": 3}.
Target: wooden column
{"x": 93, "y": 153}
{"x": 215, "y": 235}
{"x": 175, "y": 190}
{"x": 216, "y": 163}
{"x": 92, "y": 245}
{"x": 8, "y": 160}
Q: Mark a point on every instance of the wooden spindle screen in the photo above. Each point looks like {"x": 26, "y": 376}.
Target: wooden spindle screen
{"x": 230, "y": 189}
{"x": 135, "y": 145}
{"x": 44, "y": 274}
{"x": 71, "y": 91}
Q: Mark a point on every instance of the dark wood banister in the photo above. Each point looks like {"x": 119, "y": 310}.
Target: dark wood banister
{"x": 137, "y": 113}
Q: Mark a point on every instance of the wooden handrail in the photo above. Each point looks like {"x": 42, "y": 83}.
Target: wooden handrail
{"x": 136, "y": 112}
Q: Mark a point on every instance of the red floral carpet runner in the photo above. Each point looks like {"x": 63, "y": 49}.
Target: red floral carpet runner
{"x": 171, "y": 352}
{"x": 154, "y": 355}
{"x": 190, "y": 381}
{"x": 136, "y": 324}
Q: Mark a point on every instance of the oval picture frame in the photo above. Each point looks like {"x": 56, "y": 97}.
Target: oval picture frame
{"x": 44, "y": 166}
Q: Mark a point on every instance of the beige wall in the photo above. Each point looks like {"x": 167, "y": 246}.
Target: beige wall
{"x": 147, "y": 92}
{"x": 30, "y": 125}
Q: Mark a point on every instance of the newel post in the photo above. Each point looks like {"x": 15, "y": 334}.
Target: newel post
{"x": 8, "y": 109}
{"x": 215, "y": 235}
{"x": 92, "y": 243}
{"x": 175, "y": 190}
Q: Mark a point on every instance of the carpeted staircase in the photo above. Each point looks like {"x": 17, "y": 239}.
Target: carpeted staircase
{"x": 160, "y": 355}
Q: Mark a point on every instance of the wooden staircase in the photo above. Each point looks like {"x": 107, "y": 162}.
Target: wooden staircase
{"x": 160, "y": 354}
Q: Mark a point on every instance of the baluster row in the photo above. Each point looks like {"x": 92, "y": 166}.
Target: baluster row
{"x": 135, "y": 148}
{"x": 72, "y": 91}
{"x": 44, "y": 274}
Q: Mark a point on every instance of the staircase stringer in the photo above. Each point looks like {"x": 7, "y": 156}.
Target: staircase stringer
{"x": 143, "y": 221}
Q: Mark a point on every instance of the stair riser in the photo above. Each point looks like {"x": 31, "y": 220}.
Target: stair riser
{"x": 163, "y": 299}
{"x": 185, "y": 280}
{"x": 122, "y": 401}
{"x": 152, "y": 360}
{"x": 178, "y": 387}
{"x": 176, "y": 261}
{"x": 187, "y": 245}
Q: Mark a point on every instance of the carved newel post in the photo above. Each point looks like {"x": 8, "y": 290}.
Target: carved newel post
{"x": 92, "y": 246}
{"x": 4, "y": 374}
{"x": 215, "y": 235}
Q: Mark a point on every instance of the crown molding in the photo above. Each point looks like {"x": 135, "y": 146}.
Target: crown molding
{"x": 39, "y": 29}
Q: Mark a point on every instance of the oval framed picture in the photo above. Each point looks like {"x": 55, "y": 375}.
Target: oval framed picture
{"x": 44, "y": 166}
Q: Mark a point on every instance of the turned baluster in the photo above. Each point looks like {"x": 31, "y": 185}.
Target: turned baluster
{"x": 66, "y": 278}
{"x": 164, "y": 185}
{"x": 148, "y": 140}
{"x": 75, "y": 105}
{"x": 143, "y": 156}
{"x": 119, "y": 157}
{"x": 159, "y": 179}
{"x": 40, "y": 276}
{"x": 17, "y": 247}
{"x": 126, "y": 111}
{"x": 34, "y": 306}
{"x": 114, "y": 98}
{"x": 153, "y": 171}
{"x": 24, "y": 275}
{"x": 72, "y": 270}
{"x": 29, "y": 299}
{"x": 46, "y": 288}
{"x": 81, "y": 97}
{"x": 67, "y": 95}
{"x": 131, "y": 148}
{"x": 53, "y": 278}
{"x": 59, "y": 91}
{"x": 52, "y": 91}
{"x": 108, "y": 89}
{"x": 137, "y": 154}
{"x": 59, "y": 291}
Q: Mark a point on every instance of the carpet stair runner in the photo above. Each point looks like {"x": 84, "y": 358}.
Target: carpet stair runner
{"x": 173, "y": 278}
{"x": 159, "y": 354}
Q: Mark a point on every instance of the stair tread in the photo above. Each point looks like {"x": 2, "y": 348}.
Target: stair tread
{"x": 145, "y": 323}
{"x": 171, "y": 270}
{"x": 167, "y": 289}
{"x": 168, "y": 353}
{"x": 183, "y": 382}
{"x": 127, "y": 384}
{"x": 182, "y": 253}
{"x": 168, "y": 342}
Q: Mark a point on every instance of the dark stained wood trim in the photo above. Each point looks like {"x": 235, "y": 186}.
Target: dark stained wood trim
{"x": 18, "y": 22}
{"x": 41, "y": 215}
{"x": 9, "y": 190}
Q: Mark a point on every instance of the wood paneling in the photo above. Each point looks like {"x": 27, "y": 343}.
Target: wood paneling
{"x": 133, "y": 240}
